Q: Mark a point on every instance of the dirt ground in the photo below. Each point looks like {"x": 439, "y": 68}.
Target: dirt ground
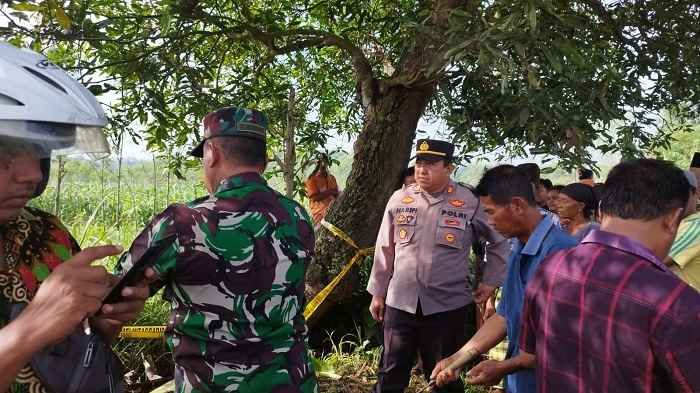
{"x": 357, "y": 384}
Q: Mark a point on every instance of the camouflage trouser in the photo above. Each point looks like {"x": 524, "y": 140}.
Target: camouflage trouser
{"x": 499, "y": 351}
{"x": 290, "y": 372}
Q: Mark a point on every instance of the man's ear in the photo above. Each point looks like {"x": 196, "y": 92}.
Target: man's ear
{"x": 671, "y": 221}
{"x": 450, "y": 168}
{"x": 582, "y": 206}
{"x": 212, "y": 155}
{"x": 518, "y": 205}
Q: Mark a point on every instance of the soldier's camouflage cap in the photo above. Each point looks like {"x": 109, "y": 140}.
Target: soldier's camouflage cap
{"x": 232, "y": 121}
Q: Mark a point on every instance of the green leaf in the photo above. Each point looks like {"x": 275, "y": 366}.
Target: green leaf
{"x": 569, "y": 50}
{"x": 458, "y": 49}
{"x": 62, "y": 18}
{"x": 532, "y": 18}
{"x": 95, "y": 89}
{"x": 553, "y": 60}
{"x": 165, "y": 23}
{"x": 532, "y": 78}
{"x": 27, "y": 7}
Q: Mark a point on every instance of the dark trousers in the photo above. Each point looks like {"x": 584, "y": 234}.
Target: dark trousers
{"x": 435, "y": 337}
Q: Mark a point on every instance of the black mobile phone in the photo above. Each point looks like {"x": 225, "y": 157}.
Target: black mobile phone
{"x": 134, "y": 275}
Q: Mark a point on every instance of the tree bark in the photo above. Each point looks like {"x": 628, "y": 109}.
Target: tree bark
{"x": 381, "y": 153}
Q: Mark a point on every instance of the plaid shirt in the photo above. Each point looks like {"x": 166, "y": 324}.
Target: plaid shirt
{"x": 608, "y": 316}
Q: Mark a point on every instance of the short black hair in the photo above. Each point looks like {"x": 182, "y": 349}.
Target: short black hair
{"x": 585, "y": 173}
{"x": 324, "y": 158}
{"x": 644, "y": 189}
{"x": 547, "y": 184}
{"x": 505, "y": 182}
{"x": 598, "y": 190}
{"x": 584, "y": 194}
{"x": 531, "y": 170}
{"x": 445, "y": 161}
{"x": 244, "y": 151}
{"x": 410, "y": 171}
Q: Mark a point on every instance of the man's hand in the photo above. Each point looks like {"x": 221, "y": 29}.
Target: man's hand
{"x": 73, "y": 291}
{"x": 376, "y": 308}
{"x": 490, "y": 308}
{"x": 115, "y": 316}
{"x": 483, "y": 293}
{"x": 443, "y": 373}
{"x": 488, "y": 372}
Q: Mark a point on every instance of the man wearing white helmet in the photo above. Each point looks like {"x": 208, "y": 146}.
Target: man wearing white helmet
{"x": 47, "y": 285}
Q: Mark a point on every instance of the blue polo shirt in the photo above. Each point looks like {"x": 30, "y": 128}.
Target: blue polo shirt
{"x": 523, "y": 261}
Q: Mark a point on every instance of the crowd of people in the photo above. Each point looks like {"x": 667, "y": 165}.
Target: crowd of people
{"x": 599, "y": 292}
{"x": 232, "y": 263}
{"x": 594, "y": 286}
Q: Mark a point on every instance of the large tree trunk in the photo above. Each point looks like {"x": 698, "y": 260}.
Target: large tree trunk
{"x": 381, "y": 153}
{"x": 392, "y": 110}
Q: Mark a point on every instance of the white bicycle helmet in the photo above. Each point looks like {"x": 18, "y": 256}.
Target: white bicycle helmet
{"x": 42, "y": 105}
{"x": 41, "y": 102}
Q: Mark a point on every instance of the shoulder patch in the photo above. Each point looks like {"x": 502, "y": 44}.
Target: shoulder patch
{"x": 456, "y": 202}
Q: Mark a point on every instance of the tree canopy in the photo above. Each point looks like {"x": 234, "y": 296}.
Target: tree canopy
{"x": 550, "y": 75}
{"x": 553, "y": 77}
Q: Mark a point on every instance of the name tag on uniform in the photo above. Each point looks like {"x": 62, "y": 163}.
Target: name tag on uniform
{"x": 457, "y": 214}
{"x": 403, "y": 219}
{"x": 453, "y": 222}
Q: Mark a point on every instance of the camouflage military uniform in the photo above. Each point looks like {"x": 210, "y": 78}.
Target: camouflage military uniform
{"x": 233, "y": 267}
{"x": 34, "y": 244}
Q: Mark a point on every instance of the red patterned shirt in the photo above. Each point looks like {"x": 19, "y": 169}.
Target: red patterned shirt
{"x": 33, "y": 244}
{"x": 609, "y": 317}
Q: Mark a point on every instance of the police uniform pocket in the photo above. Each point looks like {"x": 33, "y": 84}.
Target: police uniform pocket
{"x": 404, "y": 228}
{"x": 450, "y": 232}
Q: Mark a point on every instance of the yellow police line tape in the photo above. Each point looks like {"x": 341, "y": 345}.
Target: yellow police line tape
{"x": 154, "y": 332}
{"x": 316, "y": 302}
{"x": 145, "y": 332}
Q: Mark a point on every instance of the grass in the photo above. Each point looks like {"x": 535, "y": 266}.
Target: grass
{"x": 351, "y": 366}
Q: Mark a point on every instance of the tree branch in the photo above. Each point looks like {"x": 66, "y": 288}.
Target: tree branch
{"x": 600, "y": 10}
{"x": 313, "y": 38}
{"x": 279, "y": 162}
{"x": 319, "y": 39}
